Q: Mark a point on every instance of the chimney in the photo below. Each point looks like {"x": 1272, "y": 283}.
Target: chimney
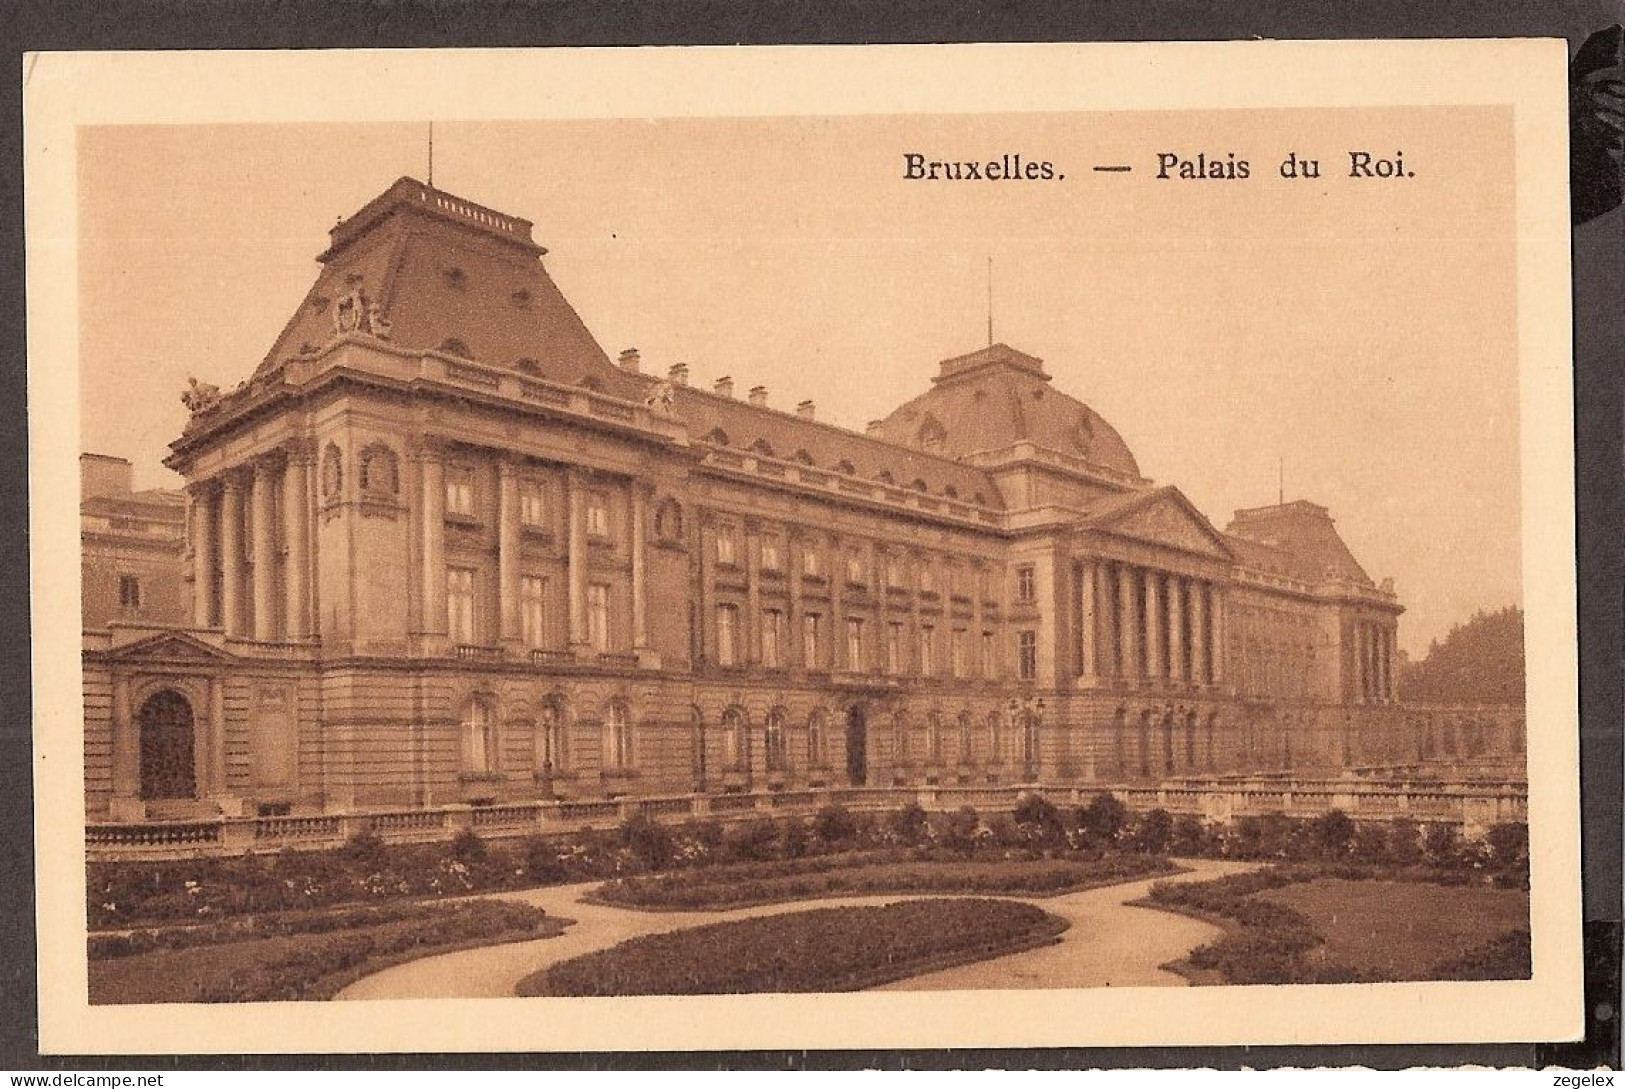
{"x": 102, "y": 476}
{"x": 805, "y": 410}
{"x": 630, "y": 361}
{"x": 758, "y": 396}
{"x": 724, "y": 386}
{"x": 677, "y": 374}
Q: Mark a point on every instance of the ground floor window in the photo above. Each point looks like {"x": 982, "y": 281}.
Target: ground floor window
{"x": 479, "y": 736}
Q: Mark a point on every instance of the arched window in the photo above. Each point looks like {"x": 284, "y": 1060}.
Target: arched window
{"x": 885, "y": 477}
{"x": 803, "y": 457}
{"x": 553, "y": 751}
{"x": 762, "y": 446}
{"x": 167, "y": 747}
{"x": 918, "y": 484}
{"x": 817, "y": 727}
{"x": 618, "y": 737}
{"x": 777, "y": 751}
{"x": 899, "y": 739}
{"x": 733, "y": 738}
{"x": 716, "y": 437}
{"x": 967, "y": 738}
{"x": 380, "y": 472}
{"x": 844, "y": 466}
{"x": 995, "y": 737}
{"x": 332, "y": 472}
{"x": 1029, "y": 738}
{"x": 933, "y": 739}
{"x": 479, "y": 736}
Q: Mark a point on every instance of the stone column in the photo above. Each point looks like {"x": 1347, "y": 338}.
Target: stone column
{"x": 1128, "y": 652}
{"x": 231, "y": 555}
{"x": 705, "y": 622}
{"x": 205, "y": 527}
{"x": 1176, "y": 629}
{"x": 752, "y": 626}
{"x": 1363, "y": 654}
{"x": 297, "y": 573}
{"x": 1216, "y": 622}
{"x": 793, "y": 655}
{"x": 1389, "y": 638}
{"x": 1199, "y": 633}
{"x": 1086, "y": 574}
{"x": 264, "y": 564}
{"x": 434, "y": 546}
{"x": 877, "y": 594}
{"x": 640, "y": 567}
{"x": 578, "y": 563}
{"x": 510, "y": 630}
{"x": 837, "y": 606}
{"x": 1155, "y": 635}
{"x": 213, "y": 782}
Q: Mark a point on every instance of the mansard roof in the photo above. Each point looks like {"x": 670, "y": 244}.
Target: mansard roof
{"x": 1297, "y": 539}
{"x": 450, "y": 275}
{"x": 996, "y": 397}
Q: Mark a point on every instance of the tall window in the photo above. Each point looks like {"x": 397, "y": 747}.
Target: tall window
{"x": 776, "y": 750}
{"x": 727, "y": 634}
{"x": 725, "y": 547}
{"x": 733, "y": 738}
{"x": 771, "y": 560}
{"x": 460, "y": 604}
{"x": 460, "y": 491}
{"x": 928, "y": 651}
{"x": 967, "y": 740}
{"x": 894, "y": 647}
{"x": 894, "y": 574}
{"x": 854, "y": 643}
{"x": 1026, "y": 584}
{"x": 555, "y": 755}
{"x": 815, "y": 739}
{"x": 933, "y": 738}
{"x": 479, "y": 736}
{"x": 532, "y": 504}
{"x": 899, "y": 738}
{"x": 1027, "y": 654}
{"x": 129, "y": 592}
{"x": 995, "y": 737}
{"x": 597, "y": 515}
{"x": 772, "y": 638}
{"x": 928, "y": 579}
{"x": 618, "y": 737}
{"x": 598, "y": 616}
{"x": 810, "y": 648}
{"x": 854, "y": 569}
{"x": 533, "y": 610}
{"x": 811, "y": 564}
{"x": 960, "y": 651}
{"x": 989, "y": 662}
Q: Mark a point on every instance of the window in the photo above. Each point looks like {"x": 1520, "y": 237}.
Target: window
{"x": 894, "y": 647}
{"x": 772, "y": 638}
{"x": 460, "y": 604}
{"x": 894, "y": 574}
{"x": 129, "y": 592}
{"x": 815, "y": 739}
{"x": 532, "y": 504}
{"x": 967, "y": 740}
{"x": 776, "y": 751}
{"x": 1027, "y": 654}
{"x": 618, "y": 738}
{"x": 989, "y": 662}
{"x": 854, "y": 643}
{"x": 727, "y": 634}
{"x": 733, "y": 738}
{"x": 597, "y": 515}
{"x": 854, "y": 569}
{"x": 928, "y": 651}
{"x": 928, "y": 579}
{"x": 598, "y": 616}
{"x": 1026, "y": 584}
{"x": 460, "y": 491}
{"x": 995, "y": 737}
{"x": 958, "y": 651}
{"x": 933, "y": 739}
{"x": 770, "y": 554}
{"x": 899, "y": 739}
{"x": 533, "y": 610}
{"x": 332, "y": 472}
{"x": 811, "y": 563}
{"x": 725, "y": 547}
{"x": 811, "y": 655}
{"x": 555, "y": 754}
{"x": 479, "y": 737}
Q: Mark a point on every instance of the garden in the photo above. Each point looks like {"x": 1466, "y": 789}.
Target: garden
{"x": 825, "y": 949}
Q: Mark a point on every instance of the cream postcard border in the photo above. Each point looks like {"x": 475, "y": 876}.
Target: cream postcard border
{"x": 65, "y": 90}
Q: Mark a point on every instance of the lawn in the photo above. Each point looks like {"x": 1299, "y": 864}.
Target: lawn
{"x": 1400, "y": 929}
{"x": 821, "y": 950}
{"x": 306, "y": 963}
{"x": 740, "y": 886}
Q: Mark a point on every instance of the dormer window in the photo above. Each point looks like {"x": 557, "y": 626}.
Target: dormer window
{"x": 456, "y": 347}
{"x": 762, "y": 446}
{"x": 527, "y": 365}
{"x": 717, "y": 437}
{"x": 885, "y": 477}
{"x": 844, "y": 466}
{"x": 804, "y": 458}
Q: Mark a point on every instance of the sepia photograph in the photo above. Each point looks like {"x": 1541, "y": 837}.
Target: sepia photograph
{"x": 978, "y": 550}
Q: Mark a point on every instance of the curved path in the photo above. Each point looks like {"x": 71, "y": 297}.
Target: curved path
{"x": 1109, "y": 943}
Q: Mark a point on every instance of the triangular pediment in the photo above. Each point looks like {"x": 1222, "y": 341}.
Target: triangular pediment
{"x": 1162, "y": 517}
{"x": 169, "y": 647}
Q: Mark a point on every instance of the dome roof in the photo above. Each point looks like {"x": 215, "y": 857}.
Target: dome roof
{"x": 996, "y": 397}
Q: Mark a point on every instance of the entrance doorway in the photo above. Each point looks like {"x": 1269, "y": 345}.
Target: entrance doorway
{"x": 857, "y": 746}
{"x": 168, "y": 740}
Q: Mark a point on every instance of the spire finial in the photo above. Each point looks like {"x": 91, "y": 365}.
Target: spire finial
{"x": 990, "y": 300}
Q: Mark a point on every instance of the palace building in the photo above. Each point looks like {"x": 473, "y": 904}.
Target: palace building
{"x": 440, "y": 548}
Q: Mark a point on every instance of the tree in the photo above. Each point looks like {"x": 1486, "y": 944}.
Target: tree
{"x": 1481, "y": 661}
{"x": 1039, "y": 820}
{"x": 1333, "y": 835}
{"x": 1102, "y": 820}
{"x": 1153, "y": 831}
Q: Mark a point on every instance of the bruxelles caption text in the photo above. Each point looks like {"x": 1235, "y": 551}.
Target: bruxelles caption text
{"x": 1185, "y": 166}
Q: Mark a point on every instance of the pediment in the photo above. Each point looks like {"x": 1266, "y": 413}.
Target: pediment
{"x": 169, "y": 647}
{"x": 1166, "y": 518}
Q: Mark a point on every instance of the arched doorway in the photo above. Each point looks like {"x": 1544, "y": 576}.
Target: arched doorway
{"x": 168, "y": 747}
{"x": 857, "y": 746}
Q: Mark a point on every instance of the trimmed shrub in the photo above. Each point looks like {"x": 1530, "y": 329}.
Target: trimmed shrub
{"x": 1039, "y": 820}
{"x": 366, "y": 847}
{"x": 957, "y": 830}
{"x": 834, "y": 825}
{"x": 1152, "y": 832}
{"x": 649, "y": 841}
{"x": 795, "y": 838}
{"x": 1404, "y": 841}
{"x": 1333, "y": 835}
{"x": 1508, "y": 845}
{"x": 752, "y": 840}
{"x": 1442, "y": 845}
{"x": 1103, "y": 819}
{"x": 908, "y": 823}
{"x": 467, "y": 847}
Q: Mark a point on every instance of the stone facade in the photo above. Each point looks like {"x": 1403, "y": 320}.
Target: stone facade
{"x": 441, "y": 549}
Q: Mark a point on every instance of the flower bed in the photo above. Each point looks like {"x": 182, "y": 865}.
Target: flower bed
{"x": 826, "y": 949}
{"x": 860, "y": 875}
{"x": 302, "y": 959}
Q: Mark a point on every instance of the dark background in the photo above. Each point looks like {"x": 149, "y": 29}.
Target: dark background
{"x": 1599, "y": 319}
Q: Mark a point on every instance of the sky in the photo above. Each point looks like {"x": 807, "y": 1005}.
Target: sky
{"x": 1347, "y": 341}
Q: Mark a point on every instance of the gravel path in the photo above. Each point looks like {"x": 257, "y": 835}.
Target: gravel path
{"x": 1109, "y": 944}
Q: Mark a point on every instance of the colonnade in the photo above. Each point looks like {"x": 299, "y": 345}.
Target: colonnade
{"x": 1141, "y": 624}
{"x": 1373, "y": 662}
